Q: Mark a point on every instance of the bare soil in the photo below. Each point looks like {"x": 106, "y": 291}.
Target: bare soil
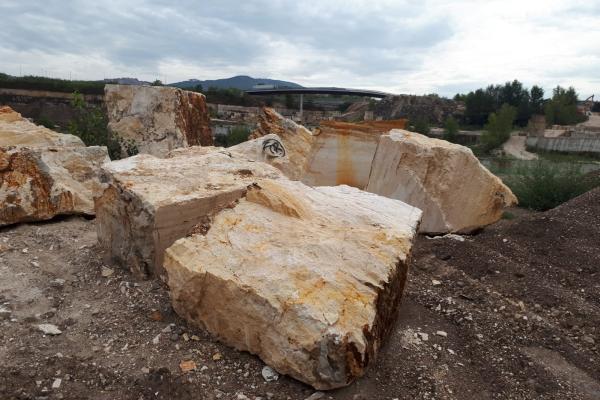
{"x": 512, "y": 312}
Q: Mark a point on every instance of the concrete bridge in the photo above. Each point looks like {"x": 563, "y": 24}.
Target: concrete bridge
{"x": 318, "y": 90}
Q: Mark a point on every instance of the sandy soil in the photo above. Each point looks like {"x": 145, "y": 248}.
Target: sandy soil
{"x": 510, "y": 313}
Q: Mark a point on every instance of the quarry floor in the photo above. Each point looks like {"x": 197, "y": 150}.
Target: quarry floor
{"x": 512, "y": 312}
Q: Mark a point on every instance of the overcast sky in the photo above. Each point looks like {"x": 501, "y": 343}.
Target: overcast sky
{"x": 397, "y": 46}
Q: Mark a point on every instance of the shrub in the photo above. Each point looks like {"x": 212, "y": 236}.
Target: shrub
{"x": 543, "y": 185}
{"x": 90, "y": 125}
{"x": 451, "y": 129}
{"x": 497, "y": 130}
{"x": 420, "y": 125}
{"x": 237, "y": 134}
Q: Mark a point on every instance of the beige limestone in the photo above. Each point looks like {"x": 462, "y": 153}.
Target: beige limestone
{"x": 297, "y": 140}
{"x": 445, "y": 180}
{"x": 342, "y": 152}
{"x": 309, "y": 279}
{"x": 157, "y": 119}
{"x": 18, "y": 131}
{"x": 44, "y": 173}
{"x": 150, "y": 202}
{"x": 38, "y": 184}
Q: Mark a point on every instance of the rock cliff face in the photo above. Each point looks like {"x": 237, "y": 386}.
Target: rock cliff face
{"x": 157, "y": 119}
{"x": 315, "y": 302}
{"x": 150, "y": 202}
{"x": 44, "y": 173}
{"x": 445, "y": 180}
{"x": 296, "y": 139}
{"x": 433, "y": 108}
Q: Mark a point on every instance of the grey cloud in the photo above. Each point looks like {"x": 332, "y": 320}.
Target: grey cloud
{"x": 216, "y": 33}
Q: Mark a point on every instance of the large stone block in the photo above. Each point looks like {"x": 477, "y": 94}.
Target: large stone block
{"x": 157, "y": 119}
{"x": 18, "y": 131}
{"x": 38, "y": 184}
{"x": 309, "y": 279}
{"x": 445, "y": 180}
{"x": 297, "y": 140}
{"x": 149, "y": 202}
{"x": 342, "y": 152}
{"x": 44, "y": 173}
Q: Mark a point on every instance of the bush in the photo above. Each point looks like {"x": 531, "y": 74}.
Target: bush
{"x": 543, "y": 185}
{"x": 420, "y": 125}
{"x": 90, "y": 125}
{"x": 238, "y": 134}
{"x": 451, "y": 129}
{"x": 498, "y": 128}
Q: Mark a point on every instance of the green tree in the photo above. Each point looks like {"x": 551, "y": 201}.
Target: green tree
{"x": 536, "y": 96}
{"x": 451, "y": 129}
{"x": 497, "y": 130}
{"x": 157, "y": 82}
{"x": 562, "y": 108}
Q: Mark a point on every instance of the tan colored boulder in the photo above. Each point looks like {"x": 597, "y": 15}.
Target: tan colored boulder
{"x": 18, "y": 131}
{"x": 157, "y": 119}
{"x": 342, "y": 152}
{"x": 309, "y": 279}
{"x": 445, "y": 180}
{"x": 40, "y": 183}
{"x": 44, "y": 173}
{"x": 297, "y": 140}
{"x": 150, "y": 202}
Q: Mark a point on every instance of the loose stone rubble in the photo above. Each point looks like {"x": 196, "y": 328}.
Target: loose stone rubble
{"x": 156, "y": 119}
{"x": 149, "y": 202}
{"x": 445, "y": 180}
{"x": 309, "y": 279}
{"x": 44, "y": 173}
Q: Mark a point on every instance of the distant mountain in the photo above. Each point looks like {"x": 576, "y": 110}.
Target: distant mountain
{"x": 238, "y": 82}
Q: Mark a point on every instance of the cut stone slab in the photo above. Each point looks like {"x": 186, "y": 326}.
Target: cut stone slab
{"x": 445, "y": 180}
{"x": 297, "y": 140}
{"x": 18, "y": 131}
{"x": 157, "y": 119}
{"x": 342, "y": 152}
{"x": 309, "y": 279}
{"x": 149, "y": 202}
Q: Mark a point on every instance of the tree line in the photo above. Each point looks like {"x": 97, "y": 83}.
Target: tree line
{"x": 560, "y": 109}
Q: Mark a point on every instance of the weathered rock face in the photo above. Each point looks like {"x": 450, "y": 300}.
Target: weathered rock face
{"x": 157, "y": 119}
{"x": 445, "y": 180}
{"x": 433, "y": 108}
{"x": 296, "y": 139}
{"x": 149, "y": 202}
{"x": 18, "y": 131}
{"x": 44, "y": 173}
{"x": 342, "y": 152}
{"x": 307, "y": 278}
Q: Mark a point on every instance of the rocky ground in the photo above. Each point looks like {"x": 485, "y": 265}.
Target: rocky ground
{"x": 512, "y": 312}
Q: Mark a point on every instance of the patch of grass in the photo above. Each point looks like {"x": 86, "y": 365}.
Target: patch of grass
{"x": 542, "y": 185}
{"x": 566, "y": 157}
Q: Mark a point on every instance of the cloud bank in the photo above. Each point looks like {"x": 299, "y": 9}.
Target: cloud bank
{"x": 397, "y": 46}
